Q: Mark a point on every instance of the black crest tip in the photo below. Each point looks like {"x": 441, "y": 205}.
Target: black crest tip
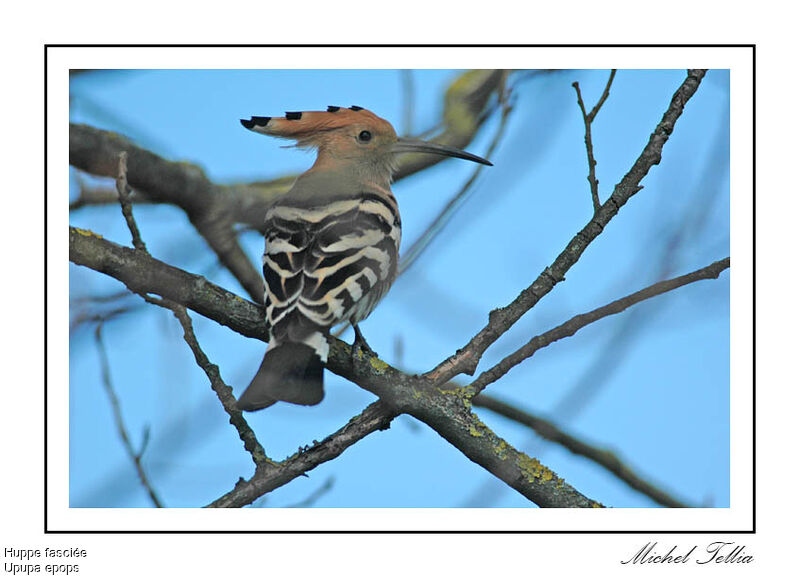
{"x": 334, "y": 108}
{"x": 255, "y": 121}
{"x": 356, "y": 108}
{"x": 294, "y": 115}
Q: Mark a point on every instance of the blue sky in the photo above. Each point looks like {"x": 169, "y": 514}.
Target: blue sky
{"x": 651, "y": 383}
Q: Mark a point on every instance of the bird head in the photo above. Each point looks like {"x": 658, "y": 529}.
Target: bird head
{"x": 349, "y": 137}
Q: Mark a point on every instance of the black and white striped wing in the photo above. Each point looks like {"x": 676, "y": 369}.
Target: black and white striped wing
{"x": 287, "y": 244}
{"x": 325, "y": 265}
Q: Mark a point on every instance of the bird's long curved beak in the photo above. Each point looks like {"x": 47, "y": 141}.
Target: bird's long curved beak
{"x": 404, "y": 145}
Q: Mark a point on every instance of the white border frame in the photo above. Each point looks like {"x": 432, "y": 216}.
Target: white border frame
{"x": 739, "y": 517}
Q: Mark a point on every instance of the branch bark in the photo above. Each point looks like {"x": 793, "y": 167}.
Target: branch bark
{"x": 605, "y": 458}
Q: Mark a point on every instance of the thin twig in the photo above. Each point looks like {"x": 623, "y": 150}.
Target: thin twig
{"x": 124, "y": 191}
{"x": 81, "y": 312}
{"x": 580, "y": 321}
{"x": 135, "y": 456}
{"x": 587, "y": 122}
{"x": 605, "y": 458}
{"x": 224, "y": 392}
{"x": 603, "y": 96}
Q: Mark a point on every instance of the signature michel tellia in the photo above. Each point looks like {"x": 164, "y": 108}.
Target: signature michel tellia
{"x": 713, "y": 553}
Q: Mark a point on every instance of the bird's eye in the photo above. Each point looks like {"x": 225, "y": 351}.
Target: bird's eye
{"x": 364, "y": 136}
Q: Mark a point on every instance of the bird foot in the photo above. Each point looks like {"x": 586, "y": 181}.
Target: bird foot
{"x": 360, "y": 344}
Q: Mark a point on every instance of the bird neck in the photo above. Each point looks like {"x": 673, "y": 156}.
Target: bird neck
{"x": 362, "y": 171}
{"x": 320, "y": 185}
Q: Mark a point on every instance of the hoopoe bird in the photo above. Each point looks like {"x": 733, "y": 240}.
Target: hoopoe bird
{"x": 332, "y": 244}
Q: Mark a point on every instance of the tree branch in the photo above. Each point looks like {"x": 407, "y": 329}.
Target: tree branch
{"x": 588, "y": 119}
{"x": 580, "y": 321}
{"x": 605, "y": 458}
{"x": 375, "y": 417}
{"x": 142, "y": 273}
{"x": 466, "y": 359}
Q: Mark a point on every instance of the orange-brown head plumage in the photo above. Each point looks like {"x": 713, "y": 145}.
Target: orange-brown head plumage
{"x": 350, "y": 140}
{"x": 352, "y": 128}
{"x": 351, "y": 136}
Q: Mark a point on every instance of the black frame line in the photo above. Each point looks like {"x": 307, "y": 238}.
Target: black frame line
{"x": 668, "y": 45}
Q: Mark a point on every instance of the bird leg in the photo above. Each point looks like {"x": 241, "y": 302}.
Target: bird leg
{"x": 359, "y": 343}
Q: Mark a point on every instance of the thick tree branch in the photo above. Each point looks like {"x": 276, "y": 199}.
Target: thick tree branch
{"x": 144, "y": 274}
{"x": 578, "y": 322}
{"x": 448, "y": 412}
{"x": 466, "y": 359}
{"x": 605, "y": 458}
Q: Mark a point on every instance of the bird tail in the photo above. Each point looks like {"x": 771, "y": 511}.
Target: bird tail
{"x": 290, "y": 372}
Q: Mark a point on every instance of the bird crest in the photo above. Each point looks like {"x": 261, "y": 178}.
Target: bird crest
{"x": 305, "y": 126}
